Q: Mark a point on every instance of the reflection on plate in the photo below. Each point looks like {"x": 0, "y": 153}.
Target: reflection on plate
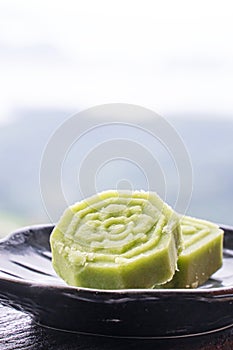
{"x": 28, "y": 283}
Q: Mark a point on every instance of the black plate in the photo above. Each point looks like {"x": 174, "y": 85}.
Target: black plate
{"x": 28, "y": 283}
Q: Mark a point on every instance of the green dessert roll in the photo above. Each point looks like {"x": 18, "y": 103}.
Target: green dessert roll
{"x": 201, "y": 256}
{"x": 116, "y": 240}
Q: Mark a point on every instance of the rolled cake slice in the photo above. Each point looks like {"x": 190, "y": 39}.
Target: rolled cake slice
{"x": 115, "y": 240}
{"x": 202, "y": 254}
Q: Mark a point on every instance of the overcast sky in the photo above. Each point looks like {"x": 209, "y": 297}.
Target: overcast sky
{"x": 175, "y": 57}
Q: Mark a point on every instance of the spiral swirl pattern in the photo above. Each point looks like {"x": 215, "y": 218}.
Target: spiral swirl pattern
{"x": 117, "y": 239}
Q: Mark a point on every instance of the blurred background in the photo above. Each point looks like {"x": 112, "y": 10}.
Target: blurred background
{"x": 60, "y": 57}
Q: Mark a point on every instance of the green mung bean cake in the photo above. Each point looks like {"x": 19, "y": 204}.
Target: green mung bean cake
{"x": 202, "y": 253}
{"x": 117, "y": 240}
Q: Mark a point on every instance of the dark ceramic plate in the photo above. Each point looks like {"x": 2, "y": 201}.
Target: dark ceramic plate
{"x": 28, "y": 283}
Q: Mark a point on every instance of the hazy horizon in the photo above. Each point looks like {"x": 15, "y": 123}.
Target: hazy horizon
{"x": 174, "y": 58}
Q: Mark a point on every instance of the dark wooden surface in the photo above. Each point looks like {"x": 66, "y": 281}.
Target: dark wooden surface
{"x": 18, "y": 331}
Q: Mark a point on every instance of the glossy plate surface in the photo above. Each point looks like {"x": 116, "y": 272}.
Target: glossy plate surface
{"x": 28, "y": 283}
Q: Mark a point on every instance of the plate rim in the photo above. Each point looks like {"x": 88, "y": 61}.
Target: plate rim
{"x": 216, "y": 292}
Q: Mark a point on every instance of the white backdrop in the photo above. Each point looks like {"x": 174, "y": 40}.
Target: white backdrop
{"x": 171, "y": 56}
